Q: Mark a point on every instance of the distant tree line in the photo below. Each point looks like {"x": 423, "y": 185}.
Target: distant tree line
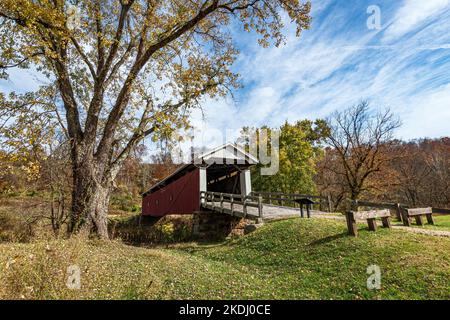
{"x": 353, "y": 155}
{"x": 362, "y": 160}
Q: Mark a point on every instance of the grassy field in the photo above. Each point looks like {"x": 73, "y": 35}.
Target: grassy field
{"x": 290, "y": 259}
{"x": 440, "y": 223}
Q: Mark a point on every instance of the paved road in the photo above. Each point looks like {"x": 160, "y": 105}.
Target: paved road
{"x": 270, "y": 212}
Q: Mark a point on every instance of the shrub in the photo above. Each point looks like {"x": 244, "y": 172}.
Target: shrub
{"x": 136, "y": 208}
{"x": 14, "y": 228}
{"x": 22, "y": 220}
{"x": 125, "y": 203}
{"x": 168, "y": 229}
{"x": 31, "y": 193}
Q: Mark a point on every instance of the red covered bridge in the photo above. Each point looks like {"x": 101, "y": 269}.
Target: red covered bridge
{"x": 225, "y": 169}
{"x": 219, "y": 182}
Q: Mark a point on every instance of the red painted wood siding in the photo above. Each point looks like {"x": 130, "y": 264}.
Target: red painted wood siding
{"x": 182, "y": 196}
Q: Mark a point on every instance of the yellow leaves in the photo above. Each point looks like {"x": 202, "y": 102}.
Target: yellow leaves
{"x": 32, "y": 171}
{"x": 26, "y": 133}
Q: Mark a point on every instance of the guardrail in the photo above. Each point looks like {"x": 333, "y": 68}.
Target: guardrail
{"x": 209, "y": 198}
{"x": 281, "y": 198}
{"x": 441, "y": 211}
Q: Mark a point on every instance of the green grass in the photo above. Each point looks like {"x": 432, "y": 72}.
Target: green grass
{"x": 440, "y": 223}
{"x": 290, "y": 259}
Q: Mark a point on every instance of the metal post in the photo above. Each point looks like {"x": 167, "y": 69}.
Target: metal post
{"x": 399, "y": 212}
{"x": 232, "y": 204}
{"x": 244, "y": 206}
{"x": 260, "y": 209}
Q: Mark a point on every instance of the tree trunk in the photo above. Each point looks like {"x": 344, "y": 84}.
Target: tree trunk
{"x": 90, "y": 200}
{"x": 354, "y": 195}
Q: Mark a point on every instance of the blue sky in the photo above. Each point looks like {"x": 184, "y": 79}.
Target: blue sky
{"x": 405, "y": 65}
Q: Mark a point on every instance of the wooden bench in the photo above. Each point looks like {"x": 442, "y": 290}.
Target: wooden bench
{"x": 418, "y": 214}
{"x": 370, "y": 216}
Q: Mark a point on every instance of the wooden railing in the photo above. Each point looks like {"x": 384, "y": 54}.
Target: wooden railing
{"x": 379, "y": 205}
{"x": 324, "y": 203}
{"x": 398, "y": 207}
{"x": 440, "y": 211}
{"x": 209, "y": 198}
{"x": 403, "y": 212}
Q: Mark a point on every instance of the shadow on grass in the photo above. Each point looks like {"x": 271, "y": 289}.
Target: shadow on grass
{"x": 200, "y": 245}
{"x": 329, "y": 239}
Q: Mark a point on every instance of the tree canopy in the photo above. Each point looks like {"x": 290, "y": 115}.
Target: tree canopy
{"x": 299, "y": 148}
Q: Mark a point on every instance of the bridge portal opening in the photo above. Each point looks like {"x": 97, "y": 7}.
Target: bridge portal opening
{"x": 224, "y": 178}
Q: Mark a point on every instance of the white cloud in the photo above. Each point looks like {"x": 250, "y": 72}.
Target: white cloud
{"x": 326, "y": 70}
{"x": 430, "y": 116}
{"x": 411, "y": 15}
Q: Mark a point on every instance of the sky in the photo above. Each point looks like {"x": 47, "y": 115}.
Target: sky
{"x": 402, "y": 64}
{"x": 345, "y": 57}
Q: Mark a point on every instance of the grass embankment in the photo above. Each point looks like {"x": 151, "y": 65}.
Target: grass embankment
{"x": 298, "y": 259}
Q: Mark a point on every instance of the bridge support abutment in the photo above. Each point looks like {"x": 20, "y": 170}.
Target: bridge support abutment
{"x": 210, "y": 225}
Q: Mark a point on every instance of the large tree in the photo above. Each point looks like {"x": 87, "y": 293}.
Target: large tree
{"x": 361, "y": 142}
{"x": 126, "y": 69}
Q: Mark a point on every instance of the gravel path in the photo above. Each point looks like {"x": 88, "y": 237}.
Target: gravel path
{"x": 283, "y": 213}
{"x": 273, "y": 212}
{"x": 436, "y": 233}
